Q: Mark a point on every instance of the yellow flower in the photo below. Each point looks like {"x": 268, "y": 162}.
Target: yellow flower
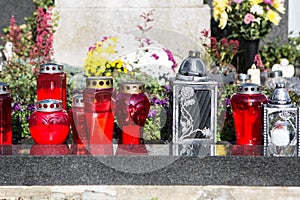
{"x": 93, "y": 70}
{"x": 108, "y": 74}
{"x": 108, "y": 65}
{"x": 119, "y": 64}
{"x": 279, "y": 6}
{"x": 221, "y": 7}
{"x": 273, "y": 17}
{"x": 253, "y": 2}
{"x": 125, "y": 70}
{"x": 223, "y": 20}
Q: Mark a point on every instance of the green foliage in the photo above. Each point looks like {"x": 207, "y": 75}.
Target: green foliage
{"x": 273, "y": 52}
{"x": 43, "y": 3}
{"x": 22, "y": 84}
{"x": 20, "y": 74}
{"x": 225, "y": 125}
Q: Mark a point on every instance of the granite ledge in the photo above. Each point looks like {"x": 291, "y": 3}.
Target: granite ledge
{"x": 149, "y": 170}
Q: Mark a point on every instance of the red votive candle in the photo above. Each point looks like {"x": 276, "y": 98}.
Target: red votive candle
{"x": 51, "y": 83}
{"x": 5, "y": 115}
{"x": 98, "y": 109}
{"x": 49, "y": 124}
{"x": 132, "y": 108}
{"x": 246, "y": 106}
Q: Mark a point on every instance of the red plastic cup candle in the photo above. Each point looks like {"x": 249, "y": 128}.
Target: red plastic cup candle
{"x": 98, "y": 109}
{"x": 132, "y": 108}
{"x": 49, "y": 124}
{"x": 5, "y": 115}
{"x": 246, "y": 106}
{"x": 51, "y": 83}
{"x": 77, "y": 120}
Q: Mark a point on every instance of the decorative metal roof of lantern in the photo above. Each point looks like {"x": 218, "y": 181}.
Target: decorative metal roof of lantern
{"x": 193, "y": 101}
{"x": 192, "y": 68}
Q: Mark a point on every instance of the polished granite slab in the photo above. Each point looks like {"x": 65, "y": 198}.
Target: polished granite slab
{"x": 153, "y": 164}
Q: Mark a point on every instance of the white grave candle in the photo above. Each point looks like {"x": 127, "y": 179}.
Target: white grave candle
{"x": 254, "y": 74}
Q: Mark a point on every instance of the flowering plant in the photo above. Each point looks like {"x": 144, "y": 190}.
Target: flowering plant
{"x": 250, "y": 19}
{"x": 222, "y": 51}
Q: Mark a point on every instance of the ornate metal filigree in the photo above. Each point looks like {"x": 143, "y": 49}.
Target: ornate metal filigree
{"x": 186, "y": 98}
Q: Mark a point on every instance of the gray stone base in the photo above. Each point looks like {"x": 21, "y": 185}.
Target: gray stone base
{"x": 147, "y": 192}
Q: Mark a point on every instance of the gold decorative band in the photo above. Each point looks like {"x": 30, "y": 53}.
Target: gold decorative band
{"x": 131, "y": 87}
{"x": 99, "y": 82}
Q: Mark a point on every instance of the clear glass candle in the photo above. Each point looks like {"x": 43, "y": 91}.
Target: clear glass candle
{"x": 78, "y": 121}
{"x": 132, "y": 108}
{"x": 49, "y": 124}
{"x": 51, "y": 83}
{"x": 5, "y": 115}
{"x": 246, "y": 106}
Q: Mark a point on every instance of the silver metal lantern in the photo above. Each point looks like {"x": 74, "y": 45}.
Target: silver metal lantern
{"x": 281, "y": 124}
{"x": 193, "y": 102}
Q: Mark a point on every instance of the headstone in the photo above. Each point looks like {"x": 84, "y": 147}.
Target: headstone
{"x": 177, "y": 24}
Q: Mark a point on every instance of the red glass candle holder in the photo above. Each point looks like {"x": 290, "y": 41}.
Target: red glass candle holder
{"x": 51, "y": 83}
{"x": 98, "y": 109}
{"x": 132, "y": 108}
{"x": 49, "y": 124}
{"x": 77, "y": 120}
{"x": 5, "y": 115}
{"x": 246, "y": 106}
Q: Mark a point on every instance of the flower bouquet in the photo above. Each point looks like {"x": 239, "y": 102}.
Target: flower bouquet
{"x": 249, "y": 19}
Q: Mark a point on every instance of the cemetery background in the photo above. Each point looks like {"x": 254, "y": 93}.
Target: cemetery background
{"x": 66, "y": 53}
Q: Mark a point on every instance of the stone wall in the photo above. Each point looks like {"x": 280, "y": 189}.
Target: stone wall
{"x": 177, "y": 24}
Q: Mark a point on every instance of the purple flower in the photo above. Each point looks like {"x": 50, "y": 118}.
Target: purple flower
{"x": 17, "y": 107}
{"x": 164, "y": 102}
{"x": 167, "y": 87}
{"x": 152, "y": 113}
{"x": 226, "y": 102}
{"x": 27, "y": 116}
{"x": 31, "y": 107}
{"x": 154, "y": 100}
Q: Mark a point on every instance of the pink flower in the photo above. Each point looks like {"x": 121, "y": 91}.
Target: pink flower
{"x": 155, "y": 56}
{"x": 237, "y": 1}
{"x": 205, "y": 32}
{"x": 270, "y": 2}
{"x": 258, "y": 62}
{"x": 249, "y": 18}
{"x": 42, "y": 50}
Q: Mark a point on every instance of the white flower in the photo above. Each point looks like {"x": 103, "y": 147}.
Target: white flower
{"x": 257, "y": 20}
{"x": 257, "y": 9}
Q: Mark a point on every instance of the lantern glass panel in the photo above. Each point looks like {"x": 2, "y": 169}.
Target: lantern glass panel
{"x": 194, "y": 110}
{"x": 281, "y": 134}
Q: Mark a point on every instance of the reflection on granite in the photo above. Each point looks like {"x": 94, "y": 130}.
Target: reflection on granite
{"x": 198, "y": 150}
